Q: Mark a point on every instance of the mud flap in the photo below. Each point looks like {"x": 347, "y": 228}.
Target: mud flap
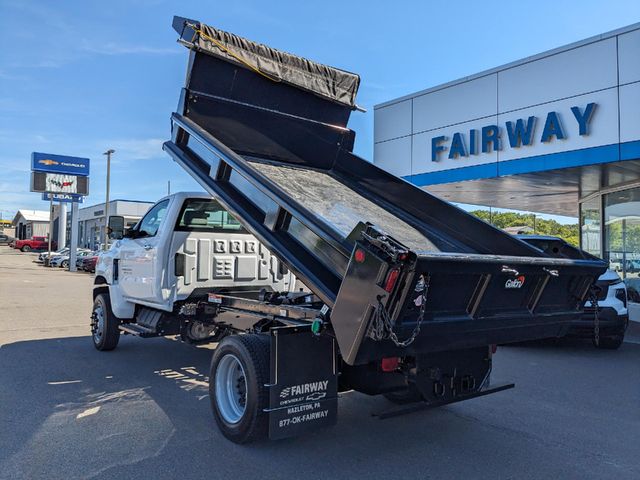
{"x": 303, "y": 393}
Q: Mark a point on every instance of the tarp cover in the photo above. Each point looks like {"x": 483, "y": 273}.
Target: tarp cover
{"x": 328, "y": 82}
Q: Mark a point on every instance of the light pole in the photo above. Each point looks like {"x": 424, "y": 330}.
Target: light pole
{"x": 106, "y": 203}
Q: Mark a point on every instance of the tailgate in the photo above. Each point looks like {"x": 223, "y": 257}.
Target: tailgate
{"x": 471, "y": 300}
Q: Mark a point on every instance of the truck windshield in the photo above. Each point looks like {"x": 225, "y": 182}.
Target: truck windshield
{"x": 202, "y": 215}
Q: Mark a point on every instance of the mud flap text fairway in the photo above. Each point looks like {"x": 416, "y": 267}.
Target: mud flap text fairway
{"x": 303, "y": 390}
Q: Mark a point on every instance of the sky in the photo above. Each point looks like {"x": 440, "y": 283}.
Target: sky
{"x": 80, "y": 77}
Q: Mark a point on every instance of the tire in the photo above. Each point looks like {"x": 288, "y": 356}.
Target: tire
{"x": 104, "y": 324}
{"x": 64, "y": 264}
{"x": 239, "y": 373}
{"x": 610, "y": 343}
{"x": 25, "y": 248}
{"x": 403, "y": 397}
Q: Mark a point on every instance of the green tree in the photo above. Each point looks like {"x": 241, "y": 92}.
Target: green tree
{"x": 569, "y": 233}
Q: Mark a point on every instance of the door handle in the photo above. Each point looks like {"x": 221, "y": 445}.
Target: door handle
{"x": 146, "y": 246}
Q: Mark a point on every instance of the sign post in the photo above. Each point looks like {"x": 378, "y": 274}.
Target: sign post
{"x": 74, "y": 237}
{"x": 108, "y": 153}
{"x": 62, "y": 224}
{"x": 50, "y": 230}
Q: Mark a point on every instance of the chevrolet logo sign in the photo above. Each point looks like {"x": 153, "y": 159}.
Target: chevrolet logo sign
{"x": 48, "y": 162}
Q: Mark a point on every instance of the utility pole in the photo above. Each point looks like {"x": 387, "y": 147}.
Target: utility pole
{"x": 168, "y": 187}
{"x": 106, "y": 203}
{"x": 50, "y": 228}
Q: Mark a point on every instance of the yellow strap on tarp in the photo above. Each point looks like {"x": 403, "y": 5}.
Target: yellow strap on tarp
{"x": 221, "y": 46}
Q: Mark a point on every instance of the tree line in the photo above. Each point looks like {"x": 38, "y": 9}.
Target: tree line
{"x": 570, "y": 233}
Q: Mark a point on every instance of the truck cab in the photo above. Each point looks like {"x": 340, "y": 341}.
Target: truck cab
{"x": 184, "y": 248}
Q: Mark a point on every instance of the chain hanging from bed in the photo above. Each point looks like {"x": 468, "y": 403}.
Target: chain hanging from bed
{"x": 593, "y": 298}
{"x": 381, "y": 325}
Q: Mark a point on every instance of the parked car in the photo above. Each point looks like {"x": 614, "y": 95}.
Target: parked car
{"x": 62, "y": 261}
{"x": 89, "y": 262}
{"x": 6, "y": 239}
{"x": 613, "y": 315}
{"x": 44, "y": 255}
{"x": 35, "y": 243}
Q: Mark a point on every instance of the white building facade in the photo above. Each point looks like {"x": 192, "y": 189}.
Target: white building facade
{"x": 31, "y": 223}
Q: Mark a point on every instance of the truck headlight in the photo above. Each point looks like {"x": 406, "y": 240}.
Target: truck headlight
{"x": 621, "y": 294}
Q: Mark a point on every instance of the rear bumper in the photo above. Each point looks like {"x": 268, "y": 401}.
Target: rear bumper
{"x": 611, "y": 323}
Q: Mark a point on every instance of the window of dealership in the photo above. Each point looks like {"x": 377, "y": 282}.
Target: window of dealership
{"x": 610, "y": 228}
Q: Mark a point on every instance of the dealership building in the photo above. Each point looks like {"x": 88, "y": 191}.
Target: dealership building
{"x": 555, "y": 133}
{"x": 91, "y": 220}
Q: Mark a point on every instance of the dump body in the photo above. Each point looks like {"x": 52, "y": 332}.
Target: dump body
{"x": 275, "y": 150}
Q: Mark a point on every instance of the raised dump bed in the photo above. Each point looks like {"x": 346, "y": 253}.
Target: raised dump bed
{"x": 401, "y": 271}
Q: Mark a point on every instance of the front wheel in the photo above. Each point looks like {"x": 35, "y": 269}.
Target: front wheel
{"x": 613, "y": 342}
{"x": 64, "y": 264}
{"x": 239, "y": 373}
{"x": 104, "y": 324}
{"x": 25, "y": 248}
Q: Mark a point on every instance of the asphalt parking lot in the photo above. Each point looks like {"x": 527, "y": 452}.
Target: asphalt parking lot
{"x": 68, "y": 411}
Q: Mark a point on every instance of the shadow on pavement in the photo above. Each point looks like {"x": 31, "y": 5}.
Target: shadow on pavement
{"x": 142, "y": 411}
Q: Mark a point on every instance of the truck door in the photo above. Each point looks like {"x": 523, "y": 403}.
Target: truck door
{"x": 141, "y": 257}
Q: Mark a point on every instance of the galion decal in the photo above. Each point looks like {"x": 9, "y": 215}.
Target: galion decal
{"x": 515, "y": 282}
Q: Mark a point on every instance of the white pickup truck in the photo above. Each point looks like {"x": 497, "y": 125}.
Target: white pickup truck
{"x": 157, "y": 277}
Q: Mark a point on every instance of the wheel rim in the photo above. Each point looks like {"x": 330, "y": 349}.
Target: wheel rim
{"x": 97, "y": 323}
{"x": 230, "y": 389}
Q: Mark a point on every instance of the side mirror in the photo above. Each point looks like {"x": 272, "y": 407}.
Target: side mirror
{"x": 116, "y": 227}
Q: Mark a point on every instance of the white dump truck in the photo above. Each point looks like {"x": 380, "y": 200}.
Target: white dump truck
{"x": 407, "y": 293}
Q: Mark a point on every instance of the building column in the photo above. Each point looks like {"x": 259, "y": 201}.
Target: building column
{"x": 62, "y": 224}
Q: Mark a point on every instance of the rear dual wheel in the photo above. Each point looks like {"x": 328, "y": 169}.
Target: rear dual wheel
{"x": 239, "y": 373}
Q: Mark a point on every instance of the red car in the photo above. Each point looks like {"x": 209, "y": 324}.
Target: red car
{"x": 89, "y": 263}
{"x": 35, "y": 243}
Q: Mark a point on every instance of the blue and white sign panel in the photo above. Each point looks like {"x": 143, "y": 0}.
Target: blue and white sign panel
{"x": 63, "y": 197}
{"x": 50, "y": 163}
